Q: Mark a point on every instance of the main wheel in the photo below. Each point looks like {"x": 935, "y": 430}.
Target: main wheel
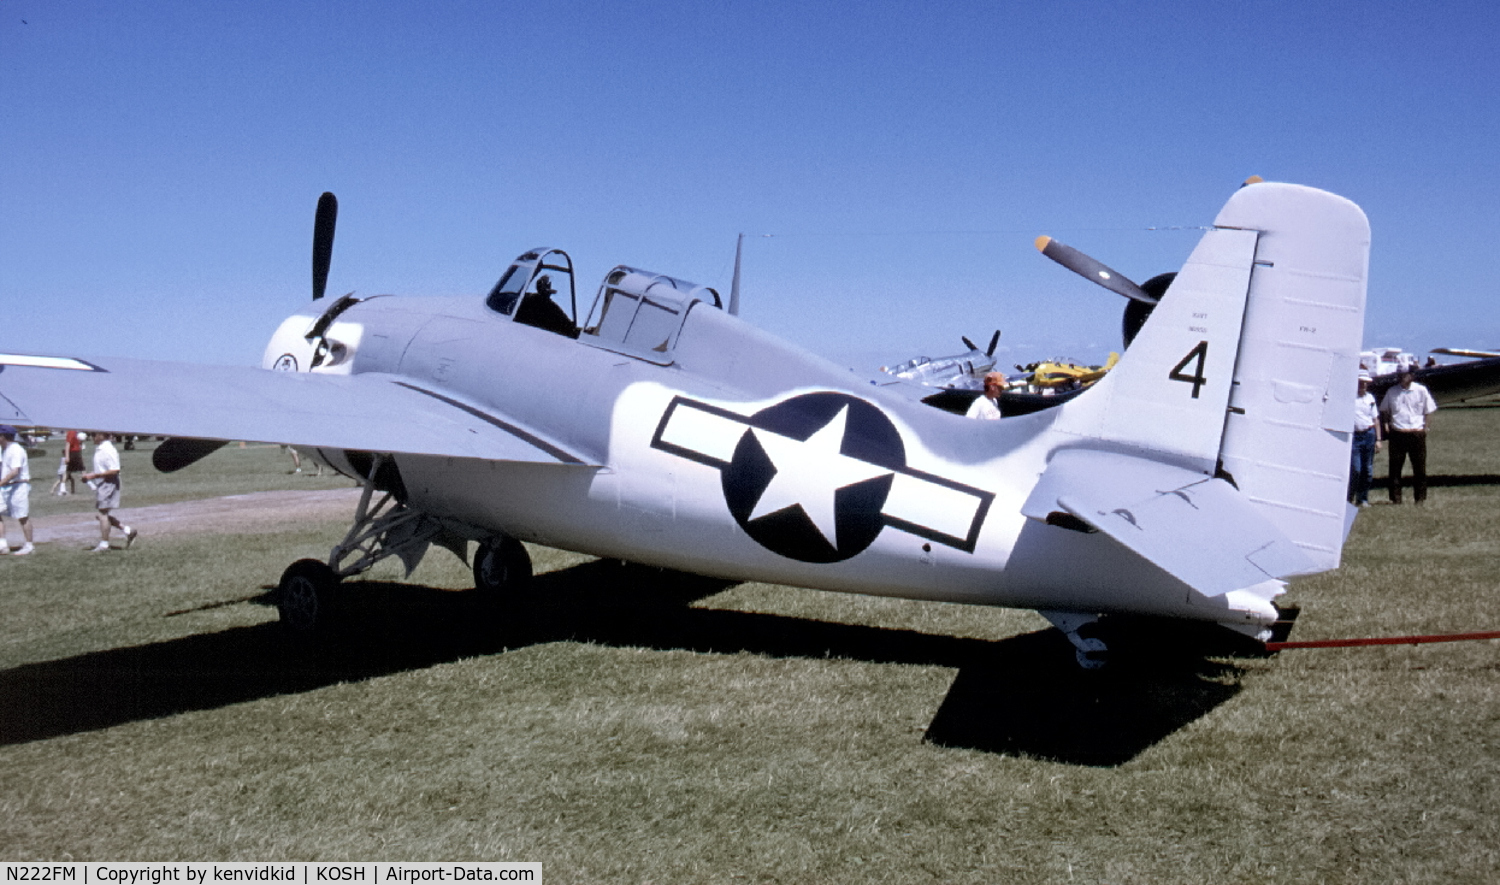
{"x": 305, "y": 596}
{"x": 502, "y": 571}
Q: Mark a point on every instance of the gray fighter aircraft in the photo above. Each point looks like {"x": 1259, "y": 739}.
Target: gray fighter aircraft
{"x": 1207, "y": 468}
{"x": 961, "y": 371}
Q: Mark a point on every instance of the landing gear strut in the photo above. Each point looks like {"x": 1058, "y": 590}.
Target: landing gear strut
{"x": 1092, "y": 653}
{"x": 308, "y": 589}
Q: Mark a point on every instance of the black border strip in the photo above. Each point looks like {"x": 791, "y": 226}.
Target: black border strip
{"x": 689, "y": 454}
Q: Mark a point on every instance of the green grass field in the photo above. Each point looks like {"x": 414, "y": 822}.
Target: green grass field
{"x": 644, "y": 728}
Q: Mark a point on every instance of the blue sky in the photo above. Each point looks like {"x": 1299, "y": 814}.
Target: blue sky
{"x": 160, "y": 161}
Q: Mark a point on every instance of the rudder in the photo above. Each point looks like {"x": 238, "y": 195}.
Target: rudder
{"x": 1291, "y": 408}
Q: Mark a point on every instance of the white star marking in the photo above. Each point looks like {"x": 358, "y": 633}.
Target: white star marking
{"x": 808, "y": 473}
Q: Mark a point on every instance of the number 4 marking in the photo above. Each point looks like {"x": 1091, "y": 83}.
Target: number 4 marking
{"x": 1199, "y": 353}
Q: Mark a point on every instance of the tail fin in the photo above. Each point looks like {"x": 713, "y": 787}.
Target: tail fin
{"x": 1168, "y": 394}
{"x": 1291, "y": 413}
{"x": 1247, "y": 366}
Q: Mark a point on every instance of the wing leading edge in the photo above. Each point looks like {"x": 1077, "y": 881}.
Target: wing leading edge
{"x": 368, "y": 412}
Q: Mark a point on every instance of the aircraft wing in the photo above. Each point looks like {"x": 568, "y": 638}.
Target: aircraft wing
{"x": 1480, "y": 376}
{"x": 368, "y": 412}
{"x": 1472, "y": 354}
{"x": 1198, "y": 529}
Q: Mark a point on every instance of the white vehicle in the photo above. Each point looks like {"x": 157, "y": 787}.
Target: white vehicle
{"x": 1387, "y": 361}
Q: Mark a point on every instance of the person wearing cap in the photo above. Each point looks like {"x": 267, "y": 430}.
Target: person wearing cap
{"x": 1367, "y": 441}
{"x": 105, "y": 481}
{"x": 15, "y": 488}
{"x": 987, "y": 407}
{"x": 1405, "y": 408}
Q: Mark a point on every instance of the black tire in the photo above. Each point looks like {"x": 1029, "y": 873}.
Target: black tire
{"x": 502, "y": 572}
{"x": 305, "y": 597}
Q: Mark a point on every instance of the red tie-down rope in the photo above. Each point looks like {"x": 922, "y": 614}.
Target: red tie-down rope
{"x": 1388, "y": 640}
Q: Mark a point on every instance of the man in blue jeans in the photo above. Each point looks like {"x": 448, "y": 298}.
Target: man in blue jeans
{"x": 1366, "y": 443}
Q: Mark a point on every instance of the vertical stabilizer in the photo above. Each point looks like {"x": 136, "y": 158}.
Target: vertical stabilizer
{"x": 1246, "y": 368}
{"x": 1291, "y": 411}
{"x": 1168, "y": 394}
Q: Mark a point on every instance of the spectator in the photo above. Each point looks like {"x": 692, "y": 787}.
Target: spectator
{"x": 987, "y": 407}
{"x": 15, "y": 488}
{"x": 105, "y": 481}
{"x": 1406, "y": 407}
{"x": 75, "y": 457}
{"x": 1367, "y": 441}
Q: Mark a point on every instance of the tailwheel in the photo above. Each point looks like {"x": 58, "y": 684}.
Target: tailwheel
{"x": 305, "y": 596}
{"x": 502, "y": 572}
{"x": 1090, "y": 651}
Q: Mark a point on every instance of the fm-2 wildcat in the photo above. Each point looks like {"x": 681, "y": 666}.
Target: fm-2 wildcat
{"x": 1207, "y": 468}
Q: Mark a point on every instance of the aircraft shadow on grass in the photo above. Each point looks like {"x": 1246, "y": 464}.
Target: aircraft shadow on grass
{"x": 1022, "y": 695}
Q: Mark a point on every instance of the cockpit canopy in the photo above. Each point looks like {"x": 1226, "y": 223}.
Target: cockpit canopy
{"x": 644, "y": 311}
{"x": 636, "y": 312}
{"x": 530, "y": 289}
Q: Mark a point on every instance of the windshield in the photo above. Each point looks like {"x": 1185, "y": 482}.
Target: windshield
{"x": 507, "y": 292}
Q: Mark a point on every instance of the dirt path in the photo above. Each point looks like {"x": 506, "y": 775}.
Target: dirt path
{"x": 237, "y": 514}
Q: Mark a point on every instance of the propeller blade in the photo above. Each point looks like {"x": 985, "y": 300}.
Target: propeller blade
{"x": 177, "y": 452}
{"x": 323, "y": 227}
{"x": 967, "y": 343}
{"x": 1087, "y": 267}
{"x": 994, "y": 340}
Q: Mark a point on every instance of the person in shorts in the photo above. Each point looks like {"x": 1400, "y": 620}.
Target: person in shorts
{"x": 15, "y": 488}
{"x": 105, "y": 481}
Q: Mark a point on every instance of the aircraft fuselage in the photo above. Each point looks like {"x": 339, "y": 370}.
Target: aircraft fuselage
{"x": 709, "y": 464}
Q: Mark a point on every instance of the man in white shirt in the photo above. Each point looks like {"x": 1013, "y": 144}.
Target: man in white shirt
{"x": 15, "y": 488}
{"x": 987, "y": 407}
{"x": 1366, "y": 443}
{"x": 1406, "y": 407}
{"x": 105, "y": 481}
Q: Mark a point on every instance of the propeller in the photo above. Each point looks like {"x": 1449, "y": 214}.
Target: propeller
{"x": 177, "y": 452}
{"x": 1088, "y": 268}
{"x": 324, "y": 224}
{"x": 989, "y": 351}
{"x": 1136, "y": 312}
{"x": 1143, "y": 298}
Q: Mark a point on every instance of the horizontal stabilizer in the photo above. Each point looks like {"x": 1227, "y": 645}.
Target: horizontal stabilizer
{"x": 1198, "y": 529}
{"x": 367, "y": 412}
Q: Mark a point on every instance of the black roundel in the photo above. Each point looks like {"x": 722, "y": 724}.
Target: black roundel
{"x": 832, "y": 514}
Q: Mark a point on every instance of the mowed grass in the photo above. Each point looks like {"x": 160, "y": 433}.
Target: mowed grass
{"x": 640, "y": 727}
